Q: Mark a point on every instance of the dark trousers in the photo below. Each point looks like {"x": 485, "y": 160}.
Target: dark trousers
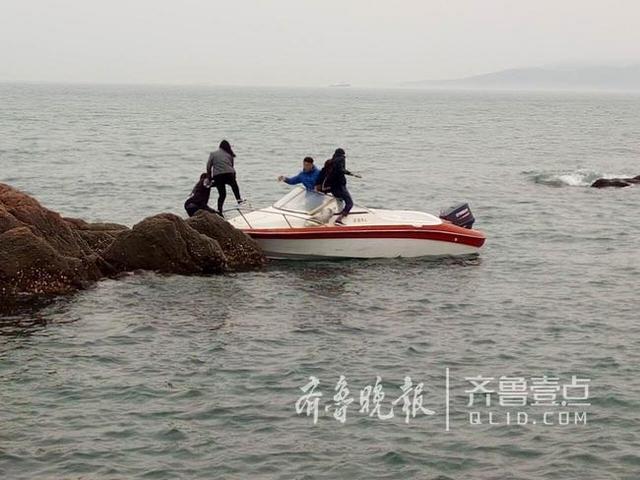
{"x": 341, "y": 192}
{"x": 192, "y": 209}
{"x": 221, "y": 181}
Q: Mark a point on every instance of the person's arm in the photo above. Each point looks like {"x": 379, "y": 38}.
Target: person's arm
{"x": 320, "y": 179}
{"x": 342, "y": 168}
{"x": 293, "y": 180}
{"x": 348, "y": 172}
{"x": 208, "y": 172}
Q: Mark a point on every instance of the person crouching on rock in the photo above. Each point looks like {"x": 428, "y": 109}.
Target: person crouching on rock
{"x": 199, "y": 198}
{"x": 221, "y": 171}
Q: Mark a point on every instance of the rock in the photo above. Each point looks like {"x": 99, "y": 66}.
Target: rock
{"x": 44, "y": 253}
{"x": 610, "y": 182}
{"x": 80, "y": 224}
{"x": 7, "y": 221}
{"x": 39, "y": 252}
{"x": 99, "y": 236}
{"x": 29, "y": 264}
{"x": 615, "y": 182}
{"x": 165, "y": 243}
{"x": 44, "y": 223}
{"x": 242, "y": 252}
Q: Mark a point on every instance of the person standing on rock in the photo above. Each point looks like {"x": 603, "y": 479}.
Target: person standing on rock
{"x": 221, "y": 172}
{"x": 199, "y": 198}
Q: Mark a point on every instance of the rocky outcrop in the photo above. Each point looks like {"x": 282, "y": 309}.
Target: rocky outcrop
{"x": 97, "y": 235}
{"x": 165, "y": 243}
{"x": 615, "y": 182}
{"x": 30, "y": 264}
{"x": 240, "y": 250}
{"x": 39, "y": 251}
{"x": 44, "y": 253}
{"x": 20, "y": 209}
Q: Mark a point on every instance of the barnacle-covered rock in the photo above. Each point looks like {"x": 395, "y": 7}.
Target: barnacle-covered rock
{"x": 42, "y": 253}
{"x": 165, "y": 243}
{"x": 241, "y": 251}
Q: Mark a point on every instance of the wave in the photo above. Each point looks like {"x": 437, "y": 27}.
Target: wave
{"x": 576, "y": 178}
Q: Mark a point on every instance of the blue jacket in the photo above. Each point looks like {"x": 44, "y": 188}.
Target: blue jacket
{"x": 308, "y": 179}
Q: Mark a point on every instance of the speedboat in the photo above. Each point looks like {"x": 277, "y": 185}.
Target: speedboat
{"x": 301, "y": 225}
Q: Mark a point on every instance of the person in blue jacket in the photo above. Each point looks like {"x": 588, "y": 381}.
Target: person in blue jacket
{"x": 307, "y": 176}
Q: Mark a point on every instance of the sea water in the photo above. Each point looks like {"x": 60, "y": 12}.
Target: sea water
{"x": 156, "y": 377}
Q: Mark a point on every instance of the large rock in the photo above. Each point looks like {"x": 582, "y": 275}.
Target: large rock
{"x": 165, "y": 243}
{"x": 29, "y": 264}
{"x": 99, "y": 236}
{"x": 39, "y": 252}
{"x": 44, "y": 223}
{"x": 242, "y": 252}
{"x": 7, "y": 221}
{"x": 43, "y": 253}
{"x": 615, "y": 182}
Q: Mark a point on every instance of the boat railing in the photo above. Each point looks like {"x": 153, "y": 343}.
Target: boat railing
{"x": 242, "y": 209}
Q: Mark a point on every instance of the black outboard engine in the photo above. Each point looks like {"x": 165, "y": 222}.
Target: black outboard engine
{"x": 459, "y": 215}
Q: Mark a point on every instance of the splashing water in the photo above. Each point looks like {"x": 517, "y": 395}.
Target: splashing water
{"x": 578, "y": 178}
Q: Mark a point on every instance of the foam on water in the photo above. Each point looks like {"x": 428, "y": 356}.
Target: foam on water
{"x": 578, "y": 178}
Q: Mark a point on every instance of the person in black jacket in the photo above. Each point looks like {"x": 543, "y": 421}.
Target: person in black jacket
{"x": 199, "y": 198}
{"x": 321, "y": 181}
{"x": 336, "y": 181}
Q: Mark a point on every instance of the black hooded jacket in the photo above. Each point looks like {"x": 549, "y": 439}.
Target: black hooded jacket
{"x": 336, "y": 177}
{"x": 323, "y": 178}
{"x": 200, "y": 193}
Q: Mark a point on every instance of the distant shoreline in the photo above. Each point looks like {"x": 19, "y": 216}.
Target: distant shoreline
{"x": 586, "y": 78}
{"x": 406, "y": 86}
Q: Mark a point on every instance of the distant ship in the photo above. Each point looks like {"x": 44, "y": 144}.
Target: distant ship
{"x": 340, "y": 85}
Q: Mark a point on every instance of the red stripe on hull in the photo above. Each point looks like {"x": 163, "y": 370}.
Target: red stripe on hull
{"x": 444, "y": 233}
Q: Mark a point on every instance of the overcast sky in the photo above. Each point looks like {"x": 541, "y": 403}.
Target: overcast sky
{"x": 305, "y": 42}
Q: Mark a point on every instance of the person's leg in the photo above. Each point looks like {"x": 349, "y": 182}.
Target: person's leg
{"x": 348, "y": 202}
{"x": 222, "y": 192}
{"x": 191, "y": 209}
{"x": 341, "y": 193}
{"x": 235, "y": 187}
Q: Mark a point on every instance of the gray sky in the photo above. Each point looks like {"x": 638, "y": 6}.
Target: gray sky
{"x": 305, "y": 42}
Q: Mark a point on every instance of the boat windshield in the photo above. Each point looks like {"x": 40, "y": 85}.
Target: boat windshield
{"x": 301, "y": 200}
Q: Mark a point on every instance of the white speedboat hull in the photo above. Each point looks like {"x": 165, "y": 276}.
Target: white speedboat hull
{"x": 364, "y": 248}
{"x": 302, "y": 226}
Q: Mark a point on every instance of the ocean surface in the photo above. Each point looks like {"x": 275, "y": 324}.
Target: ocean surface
{"x": 163, "y": 377}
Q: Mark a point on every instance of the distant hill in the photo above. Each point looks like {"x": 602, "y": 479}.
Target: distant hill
{"x": 548, "y": 78}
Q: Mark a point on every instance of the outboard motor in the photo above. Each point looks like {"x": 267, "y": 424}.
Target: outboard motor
{"x": 459, "y": 215}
